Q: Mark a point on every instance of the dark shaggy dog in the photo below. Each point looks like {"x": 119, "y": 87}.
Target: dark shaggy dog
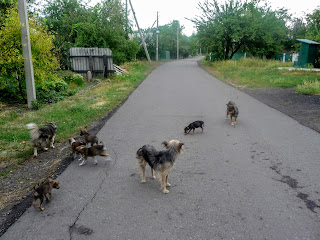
{"x": 160, "y": 161}
{"x": 89, "y": 138}
{"x": 41, "y": 191}
{"x": 96, "y": 150}
{"x": 193, "y": 126}
{"x": 42, "y": 137}
{"x": 233, "y": 111}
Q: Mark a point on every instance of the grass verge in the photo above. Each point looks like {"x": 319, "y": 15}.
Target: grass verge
{"x": 73, "y": 113}
{"x": 258, "y": 73}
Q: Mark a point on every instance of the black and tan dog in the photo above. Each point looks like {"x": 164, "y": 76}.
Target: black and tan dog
{"x": 41, "y": 191}
{"x": 89, "y": 138}
{"x": 96, "y": 150}
{"x": 233, "y": 111}
{"x": 74, "y": 144}
{"x": 160, "y": 161}
{"x": 42, "y": 137}
{"x": 193, "y": 126}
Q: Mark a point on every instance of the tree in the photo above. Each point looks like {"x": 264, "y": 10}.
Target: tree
{"x": 11, "y": 57}
{"x": 313, "y": 25}
{"x": 227, "y": 28}
{"x": 101, "y": 26}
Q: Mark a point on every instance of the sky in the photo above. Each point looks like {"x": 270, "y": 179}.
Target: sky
{"x": 169, "y": 10}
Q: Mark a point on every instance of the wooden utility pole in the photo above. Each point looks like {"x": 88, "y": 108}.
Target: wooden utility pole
{"x": 157, "y": 44}
{"x": 143, "y": 42}
{"x": 26, "y": 49}
{"x": 178, "y": 40}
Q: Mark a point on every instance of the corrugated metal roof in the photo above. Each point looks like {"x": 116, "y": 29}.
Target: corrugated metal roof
{"x": 307, "y": 41}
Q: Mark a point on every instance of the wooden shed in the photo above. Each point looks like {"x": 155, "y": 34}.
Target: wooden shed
{"x": 98, "y": 61}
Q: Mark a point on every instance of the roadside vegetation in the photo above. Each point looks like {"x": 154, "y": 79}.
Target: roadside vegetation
{"x": 258, "y": 73}
{"x": 73, "y": 113}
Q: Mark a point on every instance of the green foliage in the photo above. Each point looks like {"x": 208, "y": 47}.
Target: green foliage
{"x": 11, "y": 58}
{"x": 101, "y": 26}
{"x": 309, "y": 88}
{"x": 225, "y": 29}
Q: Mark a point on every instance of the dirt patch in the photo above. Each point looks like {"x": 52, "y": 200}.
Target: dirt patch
{"x": 303, "y": 108}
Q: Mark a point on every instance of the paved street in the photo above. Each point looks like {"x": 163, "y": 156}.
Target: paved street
{"x": 258, "y": 180}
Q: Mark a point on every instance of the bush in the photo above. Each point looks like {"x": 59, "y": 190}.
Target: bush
{"x": 11, "y": 58}
{"x": 309, "y": 88}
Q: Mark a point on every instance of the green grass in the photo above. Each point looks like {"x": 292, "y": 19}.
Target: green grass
{"x": 258, "y": 73}
{"x": 73, "y": 113}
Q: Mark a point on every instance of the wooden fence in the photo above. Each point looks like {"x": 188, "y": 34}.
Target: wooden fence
{"x": 98, "y": 61}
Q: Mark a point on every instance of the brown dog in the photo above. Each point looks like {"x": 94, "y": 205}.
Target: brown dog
{"x": 89, "y": 138}
{"x": 96, "y": 150}
{"x": 233, "y": 111}
{"x": 42, "y": 190}
{"x": 74, "y": 144}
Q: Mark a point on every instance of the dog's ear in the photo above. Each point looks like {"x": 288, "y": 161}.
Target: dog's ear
{"x": 180, "y": 146}
{"x": 165, "y": 143}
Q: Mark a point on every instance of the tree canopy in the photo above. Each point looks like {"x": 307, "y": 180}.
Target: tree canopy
{"x": 226, "y": 28}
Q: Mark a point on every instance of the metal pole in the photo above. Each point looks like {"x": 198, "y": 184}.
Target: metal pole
{"x": 157, "y": 44}
{"x": 178, "y": 41}
{"x": 144, "y": 43}
{"x": 26, "y": 49}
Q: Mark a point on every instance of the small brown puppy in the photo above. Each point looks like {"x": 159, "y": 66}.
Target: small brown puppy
{"x": 42, "y": 190}
{"x": 96, "y": 150}
{"x": 74, "y": 144}
{"x": 89, "y": 138}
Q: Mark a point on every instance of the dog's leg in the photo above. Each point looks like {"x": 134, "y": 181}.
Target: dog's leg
{"x": 232, "y": 121}
{"x": 40, "y": 204}
{"x": 227, "y": 115}
{"x": 52, "y": 141}
{"x": 163, "y": 182}
{"x": 83, "y": 162}
{"x": 35, "y": 152}
{"x": 95, "y": 161}
{"x": 152, "y": 174}
{"x": 143, "y": 164}
{"x": 202, "y": 129}
{"x": 167, "y": 184}
{"x": 50, "y": 196}
{"x": 192, "y": 131}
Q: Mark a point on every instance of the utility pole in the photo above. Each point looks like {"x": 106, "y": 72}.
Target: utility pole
{"x": 143, "y": 42}
{"x": 178, "y": 41}
{"x": 127, "y": 19}
{"x": 157, "y": 46}
{"x": 26, "y": 49}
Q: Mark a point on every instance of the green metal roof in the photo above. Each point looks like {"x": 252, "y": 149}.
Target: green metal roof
{"x": 307, "y": 41}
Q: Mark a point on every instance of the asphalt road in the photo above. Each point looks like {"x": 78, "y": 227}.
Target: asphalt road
{"x": 258, "y": 180}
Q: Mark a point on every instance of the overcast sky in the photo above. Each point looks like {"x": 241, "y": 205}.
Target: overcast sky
{"x": 169, "y": 10}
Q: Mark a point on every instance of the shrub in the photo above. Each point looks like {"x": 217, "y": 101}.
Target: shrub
{"x": 309, "y": 88}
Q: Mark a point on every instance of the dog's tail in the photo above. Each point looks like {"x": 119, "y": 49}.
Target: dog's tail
{"x": 34, "y": 130}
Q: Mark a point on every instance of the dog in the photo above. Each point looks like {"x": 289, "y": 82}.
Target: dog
{"x": 42, "y": 137}
{"x": 193, "y": 126}
{"x": 96, "y": 150}
{"x": 89, "y": 138}
{"x": 160, "y": 161}
{"x": 41, "y": 191}
{"x": 74, "y": 144}
{"x": 233, "y": 111}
